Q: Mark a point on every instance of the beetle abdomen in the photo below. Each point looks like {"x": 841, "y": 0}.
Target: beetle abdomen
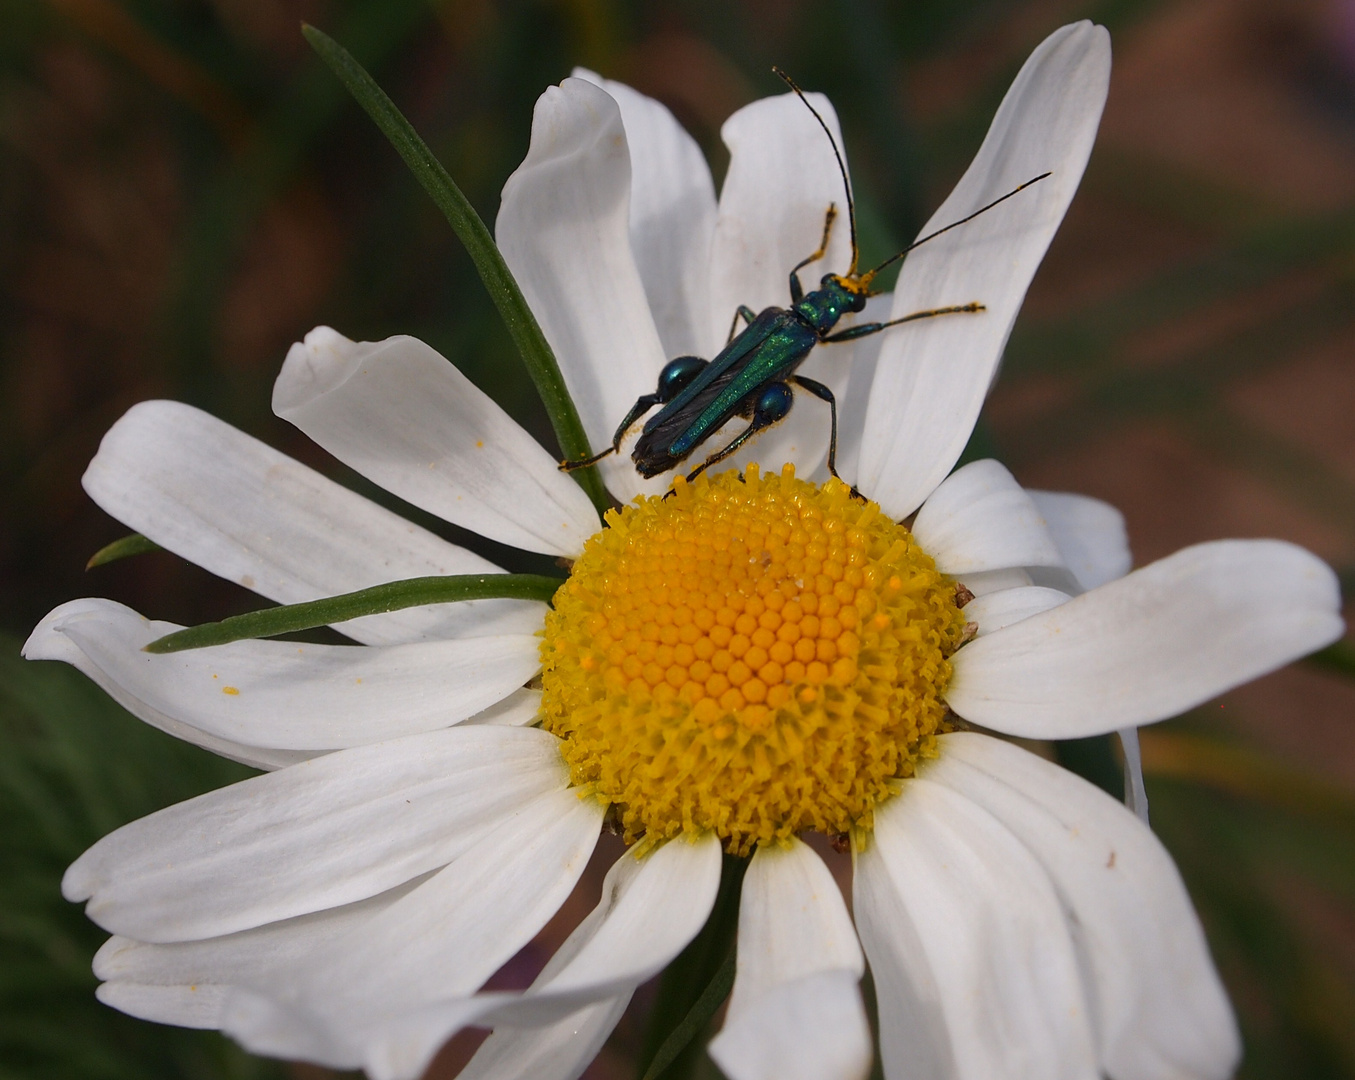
{"x": 654, "y": 449}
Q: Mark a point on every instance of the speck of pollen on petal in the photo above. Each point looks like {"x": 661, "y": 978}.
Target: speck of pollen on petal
{"x": 754, "y": 655}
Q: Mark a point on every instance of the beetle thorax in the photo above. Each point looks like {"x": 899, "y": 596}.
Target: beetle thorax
{"x": 826, "y": 304}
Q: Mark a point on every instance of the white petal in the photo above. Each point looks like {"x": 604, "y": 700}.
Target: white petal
{"x": 402, "y": 415}
{"x": 981, "y": 519}
{"x": 560, "y": 1051}
{"x": 672, "y": 216}
{"x": 994, "y": 610}
{"x": 1135, "y": 794}
{"x": 289, "y": 695}
{"x": 519, "y": 708}
{"x": 1160, "y": 1009}
{"x": 186, "y": 983}
{"x": 781, "y": 180}
{"x": 974, "y": 970}
{"x": 933, "y": 375}
{"x": 1150, "y": 645}
{"x": 442, "y": 940}
{"x": 48, "y": 643}
{"x": 249, "y": 955}
{"x": 265, "y": 1027}
{"x": 813, "y": 1028}
{"x": 1090, "y": 535}
{"x": 993, "y": 581}
{"x": 792, "y": 923}
{"x": 852, "y": 405}
{"x": 563, "y": 228}
{"x": 650, "y": 909}
{"x": 183, "y": 1006}
{"x": 238, "y": 508}
{"x": 316, "y": 835}
{"x": 796, "y": 1010}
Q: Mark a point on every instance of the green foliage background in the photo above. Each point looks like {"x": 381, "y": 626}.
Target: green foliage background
{"x": 184, "y": 190}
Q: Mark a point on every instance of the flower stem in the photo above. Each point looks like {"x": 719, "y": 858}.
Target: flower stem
{"x": 470, "y": 229}
{"x": 379, "y": 599}
{"x": 694, "y": 986}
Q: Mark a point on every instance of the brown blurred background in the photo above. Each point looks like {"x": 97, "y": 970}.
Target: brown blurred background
{"x": 184, "y": 191}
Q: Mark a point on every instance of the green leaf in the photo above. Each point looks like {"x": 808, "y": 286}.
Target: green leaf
{"x": 465, "y": 222}
{"x": 135, "y": 544}
{"x": 379, "y": 599}
{"x": 698, "y": 1016}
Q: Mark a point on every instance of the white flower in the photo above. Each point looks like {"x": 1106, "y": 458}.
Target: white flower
{"x": 417, "y": 829}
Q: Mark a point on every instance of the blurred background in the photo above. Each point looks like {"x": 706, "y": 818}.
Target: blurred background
{"x": 185, "y": 190}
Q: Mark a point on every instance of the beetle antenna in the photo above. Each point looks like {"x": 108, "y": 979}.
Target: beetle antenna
{"x": 954, "y": 224}
{"x": 842, "y": 168}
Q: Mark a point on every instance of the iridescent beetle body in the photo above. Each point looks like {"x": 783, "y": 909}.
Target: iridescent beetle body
{"x": 754, "y": 375}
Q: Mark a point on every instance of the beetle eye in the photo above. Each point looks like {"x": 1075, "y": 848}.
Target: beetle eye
{"x": 859, "y": 301}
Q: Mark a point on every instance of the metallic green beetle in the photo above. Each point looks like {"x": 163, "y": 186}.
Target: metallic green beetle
{"x": 754, "y": 373}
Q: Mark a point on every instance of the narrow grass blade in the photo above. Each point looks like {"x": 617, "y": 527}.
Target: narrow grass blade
{"x": 465, "y": 222}
{"x": 135, "y": 544}
{"x": 694, "y": 1023}
{"x": 693, "y": 985}
{"x": 379, "y": 599}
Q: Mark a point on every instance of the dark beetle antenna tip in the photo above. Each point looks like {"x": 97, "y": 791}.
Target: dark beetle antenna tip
{"x": 837, "y": 153}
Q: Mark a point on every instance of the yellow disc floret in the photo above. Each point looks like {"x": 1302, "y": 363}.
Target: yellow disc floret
{"x": 753, "y": 655}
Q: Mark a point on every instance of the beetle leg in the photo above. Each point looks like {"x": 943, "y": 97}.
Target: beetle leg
{"x": 797, "y": 292}
{"x": 744, "y": 312}
{"x": 866, "y": 329}
{"x": 754, "y": 426}
{"x": 642, "y": 405}
{"x": 583, "y": 463}
{"x": 769, "y": 407}
{"x": 823, "y": 394}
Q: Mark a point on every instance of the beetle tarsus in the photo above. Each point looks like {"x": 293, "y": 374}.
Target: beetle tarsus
{"x": 583, "y": 463}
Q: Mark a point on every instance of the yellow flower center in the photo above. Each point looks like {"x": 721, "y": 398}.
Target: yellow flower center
{"x": 751, "y": 655}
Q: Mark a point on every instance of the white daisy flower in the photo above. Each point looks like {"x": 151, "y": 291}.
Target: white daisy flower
{"x": 752, "y": 658}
